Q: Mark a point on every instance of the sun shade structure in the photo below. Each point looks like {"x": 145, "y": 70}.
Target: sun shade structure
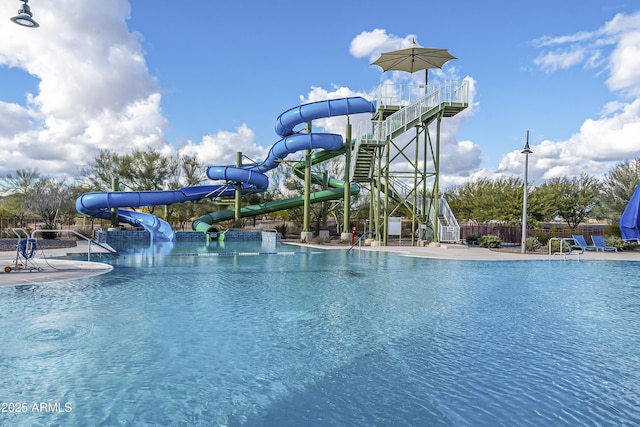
{"x": 413, "y": 58}
{"x": 630, "y": 218}
{"x": 25, "y": 17}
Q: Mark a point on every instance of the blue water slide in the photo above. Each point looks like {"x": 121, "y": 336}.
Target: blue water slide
{"x": 292, "y": 142}
{"x": 288, "y": 120}
{"x": 99, "y": 204}
{"x": 251, "y": 177}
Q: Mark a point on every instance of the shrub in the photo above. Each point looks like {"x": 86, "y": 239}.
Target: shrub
{"x": 556, "y": 246}
{"x": 532, "y": 244}
{"x": 617, "y": 242}
{"x": 473, "y": 239}
{"x": 489, "y": 241}
{"x": 543, "y": 238}
{"x": 282, "y": 229}
{"x": 612, "y": 230}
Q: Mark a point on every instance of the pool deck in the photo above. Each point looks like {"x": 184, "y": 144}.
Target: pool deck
{"x": 53, "y": 269}
{"x": 464, "y": 252}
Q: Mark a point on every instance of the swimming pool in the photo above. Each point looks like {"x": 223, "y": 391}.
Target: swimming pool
{"x": 248, "y": 336}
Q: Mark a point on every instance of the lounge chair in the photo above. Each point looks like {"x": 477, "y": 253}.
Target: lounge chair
{"x": 599, "y": 242}
{"x": 580, "y": 242}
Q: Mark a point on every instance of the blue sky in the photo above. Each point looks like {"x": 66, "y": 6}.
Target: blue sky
{"x": 205, "y": 79}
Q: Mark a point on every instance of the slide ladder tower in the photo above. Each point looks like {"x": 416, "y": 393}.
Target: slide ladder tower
{"x": 407, "y": 170}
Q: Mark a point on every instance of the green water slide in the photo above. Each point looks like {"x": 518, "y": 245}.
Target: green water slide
{"x": 335, "y": 192}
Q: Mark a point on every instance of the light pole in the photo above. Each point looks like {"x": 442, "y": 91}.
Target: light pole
{"x": 25, "y": 17}
{"x": 526, "y": 151}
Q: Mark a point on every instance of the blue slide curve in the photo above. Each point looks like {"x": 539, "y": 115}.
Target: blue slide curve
{"x": 252, "y": 178}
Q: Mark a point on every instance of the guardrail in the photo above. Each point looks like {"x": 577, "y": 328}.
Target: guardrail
{"x": 89, "y": 241}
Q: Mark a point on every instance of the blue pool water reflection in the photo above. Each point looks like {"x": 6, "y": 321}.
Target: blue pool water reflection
{"x": 244, "y": 336}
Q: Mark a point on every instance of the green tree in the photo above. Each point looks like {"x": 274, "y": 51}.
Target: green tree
{"x": 22, "y": 182}
{"x": 49, "y": 199}
{"x": 487, "y": 199}
{"x": 542, "y": 203}
{"x": 101, "y": 170}
{"x": 575, "y": 198}
{"x": 142, "y": 170}
{"x": 617, "y": 188}
{"x": 19, "y": 186}
{"x": 146, "y": 170}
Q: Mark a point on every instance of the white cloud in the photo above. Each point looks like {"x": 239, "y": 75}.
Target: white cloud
{"x": 372, "y": 43}
{"x": 220, "y": 148}
{"x": 599, "y": 143}
{"x": 94, "y": 91}
{"x": 336, "y": 124}
{"x": 625, "y": 63}
{"x": 557, "y": 60}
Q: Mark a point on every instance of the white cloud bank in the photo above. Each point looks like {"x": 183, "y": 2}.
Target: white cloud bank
{"x": 95, "y": 91}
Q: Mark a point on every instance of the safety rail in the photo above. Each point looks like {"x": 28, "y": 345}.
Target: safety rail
{"x": 413, "y": 102}
{"x": 564, "y": 241}
{"x": 107, "y": 248}
{"x": 359, "y": 241}
{"x": 404, "y": 95}
{"x": 448, "y": 227}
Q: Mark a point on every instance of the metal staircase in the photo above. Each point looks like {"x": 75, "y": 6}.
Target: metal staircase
{"x": 400, "y": 108}
{"x": 364, "y": 163}
{"x": 448, "y": 227}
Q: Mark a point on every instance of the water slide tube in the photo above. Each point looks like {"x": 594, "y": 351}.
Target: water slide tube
{"x": 292, "y": 142}
{"x": 99, "y": 204}
{"x": 252, "y": 178}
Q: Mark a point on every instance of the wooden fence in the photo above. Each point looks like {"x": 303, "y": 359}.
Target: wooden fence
{"x": 513, "y": 233}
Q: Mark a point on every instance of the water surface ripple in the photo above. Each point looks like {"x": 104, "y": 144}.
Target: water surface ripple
{"x": 326, "y": 339}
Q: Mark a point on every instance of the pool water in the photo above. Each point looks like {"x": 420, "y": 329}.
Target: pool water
{"x": 240, "y": 335}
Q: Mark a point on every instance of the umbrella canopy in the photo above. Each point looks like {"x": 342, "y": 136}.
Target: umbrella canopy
{"x": 413, "y": 58}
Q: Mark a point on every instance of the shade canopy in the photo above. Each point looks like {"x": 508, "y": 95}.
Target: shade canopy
{"x": 413, "y": 58}
{"x": 630, "y": 218}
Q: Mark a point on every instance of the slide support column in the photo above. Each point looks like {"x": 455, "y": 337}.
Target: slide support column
{"x": 237, "y": 223}
{"x": 115, "y": 186}
{"x": 346, "y": 223}
{"x": 306, "y": 234}
{"x": 436, "y": 186}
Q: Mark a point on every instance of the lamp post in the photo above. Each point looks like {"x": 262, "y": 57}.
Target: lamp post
{"x": 25, "y": 17}
{"x": 526, "y": 151}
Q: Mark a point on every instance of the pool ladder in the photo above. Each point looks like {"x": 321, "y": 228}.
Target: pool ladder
{"x": 359, "y": 241}
{"x": 567, "y": 242}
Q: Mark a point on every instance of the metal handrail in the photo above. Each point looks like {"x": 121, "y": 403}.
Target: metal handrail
{"x": 89, "y": 241}
{"x": 449, "y": 232}
{"x": 564, "y": 241}
{"x": 414, "y": 101}
{"x": 360, "y": 239}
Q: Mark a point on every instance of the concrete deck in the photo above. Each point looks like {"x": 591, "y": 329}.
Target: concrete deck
{"x": 463, "y": 252}
{"x": 51, "y": 269}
